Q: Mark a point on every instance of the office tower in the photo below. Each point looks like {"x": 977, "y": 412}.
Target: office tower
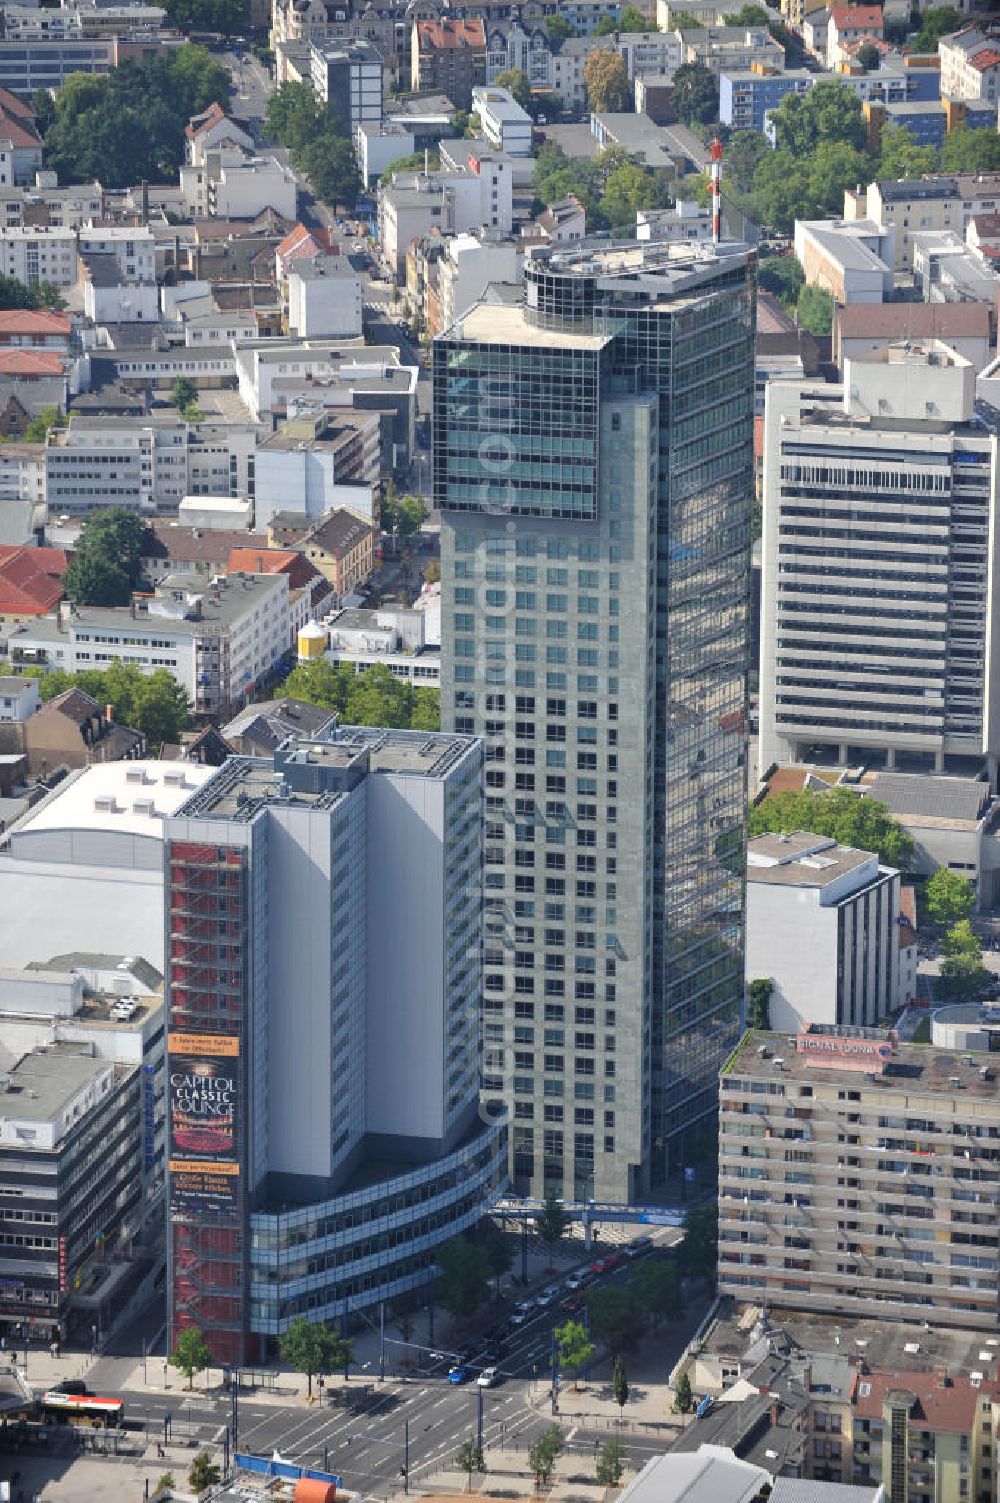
{"x": 858, "y": 1177}
{"x": 324, "y": 912}
{"x": 878, "y": 606}
{"x": 592, "y": 463}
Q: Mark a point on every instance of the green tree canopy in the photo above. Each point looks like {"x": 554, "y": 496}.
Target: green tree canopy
{"x": 949, "y": 897}
{"x": 203, "y": 1473}
{"x": 619, "y": 1383}
{"x": 744, "y": 150}
{"x": 403, "y": 515}
{"x": 760, "y": 990}
{"x": 616, "y": 1317}
{"x": 107, "y": 563}
{"x": 699, "y": 1252}
{"x": 469, "y": 1458}
{"x": 190, "y": 1354}
{"x": 551, "y": 1223}
{"x": 183, "y": 393}
{"x": 683, "y": 1397}
{"x": 963, "y": 974}
{"x": 15, "y": 294}
{"x": 315, "y": 140}
{"x": 129, "y": 124}
{"x": 657, "y": 1286}
{"x": 497, "y": 1250}
{"x": 749, "y": 15}
{"x": 227, "y": 17}
{"x": 463, "y": 1278}
{"x": 781, "y": 191}
{"x": 868, "y": 57}
{"x": 696, "y": 94}
{"x": 834, "y": 166}
{"x": 373, "y": 697}
{"x": 559, "y": 30}
{"x": 518, "y": 84}
{"x": 781, "y": 275}
{"x": 814, "y": 310}
{"x": 936, "y": 23}
{"x": 845, "y": 816}
{"x": 574, "y": 1346}
{"x": 900, "y": 156}
{"x": 37, "y": 430}
{"x": 542, "y": 1453}
{"x": 91, "y": 579}
{"x": 829, "y": 112}
{"x": 311, "y": 1348}
{"x": 609, "y": 1464}
{"x": 631, "y": 18}
{"x": 968, "y": 150}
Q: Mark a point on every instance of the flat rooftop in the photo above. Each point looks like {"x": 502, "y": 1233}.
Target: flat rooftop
{"x": 911, "y": 1069}
{"x": 801, "y": 859}
{"x": 506, "y": 323}
{"x": 43, "y": 1085}
{"x": 83, "y": 801}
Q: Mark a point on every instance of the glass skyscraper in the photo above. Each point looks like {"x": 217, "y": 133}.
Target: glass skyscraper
{"x": 593, "y": 465}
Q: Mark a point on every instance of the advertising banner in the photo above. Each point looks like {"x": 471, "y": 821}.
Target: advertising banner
{"x": 203, "y": 1089}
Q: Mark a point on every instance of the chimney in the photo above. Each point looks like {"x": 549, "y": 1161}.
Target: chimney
{"x": 109, "y": 714}
{"x": 774, "y": 1414}
{"x": 145, "y": 201}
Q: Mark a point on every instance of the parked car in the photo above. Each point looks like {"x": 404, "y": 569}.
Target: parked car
{"x": 572, "y": 1302}
{"x": 638, "y": 1246}
{"x": 72, "y": 1385}
{"x": 488, "y": 1378}
{"x": 458, "y": 1375}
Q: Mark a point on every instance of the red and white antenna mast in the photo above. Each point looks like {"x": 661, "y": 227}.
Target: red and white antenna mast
{"x": 716, "y": 152}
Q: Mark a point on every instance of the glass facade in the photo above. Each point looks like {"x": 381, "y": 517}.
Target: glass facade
{"x": 604, "y": 661}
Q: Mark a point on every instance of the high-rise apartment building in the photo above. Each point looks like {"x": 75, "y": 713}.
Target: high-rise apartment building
{"x": 324, "y": 915}
{"x": 880, "y": 568}
{"x": 592, "y": 462}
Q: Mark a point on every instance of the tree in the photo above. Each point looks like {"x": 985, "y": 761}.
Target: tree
{"x": 497, "y": 1250}
{"x": 542, "y": 1453}
{"x": 165, "y": 1483}
{"x": 868, "y": 57}
{"x": 760, "y": 998}
{"x": 469, "y": 1458}
{"x": 374, "y": 697}
{"x": 432, "y": 571}
{"x": 93, "y": 580}
{"x": 828, "y": 112}
{"x": 744, "y": 150}
{"x": 685, "y": 20}
{"x": 463, "y": 1278}
{"x": 615, "y": 1316}
{"x": 781, "y": 192}
{"x": 310, "y": 1348}
{"x": 37, "y": 430}
{"x": 749, "y": 15}
{"x": 657, "y": 1287}
{"x": 403, "y": 516}
{"x": 161, "y": 709}
{"x": 609, "y": 1464}
{"x": 832, "y": 167}
{"x": 631, "y": 18}
{"x": 575, "y": 1346}
{"x": 558, "y": 30}
{"x": 15, "y": 294}
{"x": 518, "y": 84}
{"x": 696, "y": 94}
{"x": 852, "y": 820}
{"x": 619, "y": 1384}
{"x": 962, "y": 971}
{"x": 628, "y": 187}
{"x": 935, "y": 24}
{"x": 129, "y": 123}
{"x": 683, "y": 1397}
{"x": 551, "y": 1223}
{"x": 228, "y": 17}
{"x": 606, "y": 77}
{"x": 190, "y": 1354}
{"x": 426, "y": 712}
{"x": 968, "y": 150}
{"x": 699, "y": 1252}
{"x": 901, "y": 156}
{"x": 949, "y": 897}
{"x": 183, "y": 393}
{"x": 293, "y": 114}
{"x": 331, "y": 166}
{"x": 316, "y": 142}
{"x": 203, "y": 1473}
{"x": 781, "y": 275}
{"x": 377, "y": 697}
{"x": 814, "y": 310}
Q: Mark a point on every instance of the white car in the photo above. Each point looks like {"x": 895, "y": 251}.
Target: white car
{"x": 487, "y": 1378}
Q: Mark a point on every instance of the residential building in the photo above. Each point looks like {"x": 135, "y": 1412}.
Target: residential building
{"x": 449, "y": 54}
{"x": 822, "y": 923}
{"x": 468, "y": 197}
{"x": 30, "y": 580}
{"x": 39, "y": 255}
{"x": 861, "y": 329}
{"x": 90, "y": 857}
{"x": 18, "y": 698}
{"x": 260, "y": 728}
{"x": 348, "y": 1067}
{"x": 35, "y": 329}
{"x": 910, "y": 207}
{"x": 579, "y": 462}
{"x": 852, "y": 260}
{"x": 212, "y": 129}
{"x": 349, "y": 78}
{"x": 70, "y": 730}
{"x": 132, "y": 246}
{"x": 377, "y": 145}
{"x": 509, "y": 44}
{"x": 324, "y": 298}
{"x": 706, "y": 12}
{"x": 469, "y": 265}
{"x": 219, "y": 640}
{"x": 685, "y": 221}
{"x": 506, "y": 126}
{"x": 170, "y": 548}
{"x": 948, "y": 270}
{"x": 342, "y": 547}
{"x": 953, "y": 822}
{"x": 875, "y": 647}
{"x": 747, "y": 95}
{"x": 729, "y": 47}
{"x": 851, "y": 23}
{"x": 920, "y": 1434}
{"x": 708, "y": 1475}
{"x": 563, "y": 221}
{"x": 857, "y": 1177}
{"x": 392, "y": 637}
{"x": 318, "y": 461}
{"x": 970, "y": 63}
{"x": 22, "y": 143}
{"x": 637, "y": 135}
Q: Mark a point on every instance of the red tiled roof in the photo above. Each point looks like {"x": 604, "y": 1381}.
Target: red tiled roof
{"x": 33, "y": 321}
{"x": 17, "y": 121}
{"x": 856, "y": 17}
{"x": 939, "y": 1405}
{"x": 302, "y": 241}
{"x": 198, "y": 123}
{"x": 30, "y": 580}
{"x": 451, "y": 33}
{"x": 988, "y": 58}
{"x": 31, "y": 363}
{"x": 272, "y": 561}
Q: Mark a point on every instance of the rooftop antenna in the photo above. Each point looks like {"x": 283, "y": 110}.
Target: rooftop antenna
{"x": 716, "y": 152}
{"x": 426, "y": 161}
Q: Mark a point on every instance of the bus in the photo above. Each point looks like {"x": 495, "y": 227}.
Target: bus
{"x": 81, "y": 1409}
